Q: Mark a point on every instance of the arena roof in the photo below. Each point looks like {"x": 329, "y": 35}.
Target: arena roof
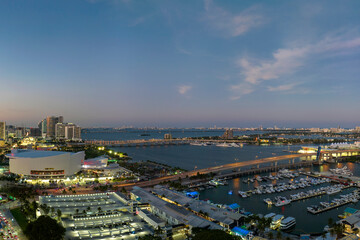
{"x": 35, "y": 154}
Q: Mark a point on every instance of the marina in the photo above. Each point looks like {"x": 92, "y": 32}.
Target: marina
{"x": 293, "y": 204}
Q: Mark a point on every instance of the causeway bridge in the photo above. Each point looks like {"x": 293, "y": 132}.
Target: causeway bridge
{"x": 139, "y": 142}
{"x": 155, "y": 142}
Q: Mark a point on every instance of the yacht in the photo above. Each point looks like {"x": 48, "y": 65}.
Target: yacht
{"x": 242, "y": 194}
{"x": 281, "y": 201}
{"x": 287, "y": 223}
{"x": 198, "y": 144}
{"x": 333, "y": 191}
{"x": 268, "y": 201}
{"x": 223, "y": 145}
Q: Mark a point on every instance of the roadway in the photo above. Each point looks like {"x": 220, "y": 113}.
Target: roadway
{"x": 216, "y": 169}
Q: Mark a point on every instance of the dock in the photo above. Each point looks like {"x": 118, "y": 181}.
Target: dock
{"x": 329, "y": 208}
{"x": 309, "y": 196}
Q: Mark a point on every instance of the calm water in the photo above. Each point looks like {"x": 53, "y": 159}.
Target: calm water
{"x": 188, "y": 157}
{"x": 132, "y": 134}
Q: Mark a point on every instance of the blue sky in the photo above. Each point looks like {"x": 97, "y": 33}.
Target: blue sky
{"x": 181, "y": 63}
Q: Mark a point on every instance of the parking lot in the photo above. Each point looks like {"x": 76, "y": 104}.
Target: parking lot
{"x": 115, "y": 226}
{"x": 72, "y": 204}
{"x": 97, "y": 216}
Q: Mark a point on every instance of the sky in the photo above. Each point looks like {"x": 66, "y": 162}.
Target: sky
{"x": 179, "y": 63}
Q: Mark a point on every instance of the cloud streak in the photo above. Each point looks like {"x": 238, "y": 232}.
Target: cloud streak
{"x": 229, "y": 24}
{"x": 287, "y": 61}
{"x": 184, "y": 89}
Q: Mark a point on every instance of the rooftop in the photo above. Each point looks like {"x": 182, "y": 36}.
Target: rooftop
{"x": 179, "y": 213}
{"x": 34, "y": 153}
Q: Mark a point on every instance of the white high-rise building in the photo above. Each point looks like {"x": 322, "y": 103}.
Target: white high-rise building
{"x": 60, "y": 130}
{"x": 72, "y": 132}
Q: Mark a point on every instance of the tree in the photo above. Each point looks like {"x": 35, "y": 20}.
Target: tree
{"x": 44, "y": 228}
{"x": 278, "y": 235}
{"x": 58, "y": 212}
{"x": 150, "y": 237}
{"x": 339, "y": 229}
{"x": 212, "y": 235}
{"x": 99, "y": 209}
{"x": 270, "y": 235}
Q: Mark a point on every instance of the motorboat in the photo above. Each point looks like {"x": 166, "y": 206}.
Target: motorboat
{"x": 281, "y": 201}
{"x": 268, "y": 201}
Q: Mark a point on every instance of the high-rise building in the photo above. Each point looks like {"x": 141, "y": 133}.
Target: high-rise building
{"x": 50, "y": 125}
{"x": 72, "y": 132}
{"x": 60, "y": 130}
{"x": 35, "y": 132}
{"x": 2, "y": 130}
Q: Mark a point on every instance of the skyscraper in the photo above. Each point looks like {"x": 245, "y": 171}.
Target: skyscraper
{"x": 72, "y": 132}
{"x": 50, "y": 125}
{"x": 60, "y": 131}
{"x": 2, "y": 130}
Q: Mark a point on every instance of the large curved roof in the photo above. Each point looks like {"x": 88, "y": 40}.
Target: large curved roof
{"x": 35, "y": 154}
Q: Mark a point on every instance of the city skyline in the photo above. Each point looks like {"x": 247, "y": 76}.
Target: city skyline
{"x": 181, "y": 64}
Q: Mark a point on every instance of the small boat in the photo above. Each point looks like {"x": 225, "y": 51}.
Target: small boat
{"x": 230, "y": 192}
{"x": 243, "y": 194}
{"x": 268, "y": 201}
{"x": 281, "y": 201}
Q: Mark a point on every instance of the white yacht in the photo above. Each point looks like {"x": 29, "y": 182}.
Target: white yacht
{"x": 333, "y": 191}
{"x": 243, "y": 194}
{"x": 198, "y": 144}
{"x": 281, "y": 201}
{"x": 223, "y": 145}
{"x": 287, "y": 223}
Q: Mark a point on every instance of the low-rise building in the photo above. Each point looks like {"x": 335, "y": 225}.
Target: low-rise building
{"x": 224, "y": 217}
{"x": 171, "y": 213}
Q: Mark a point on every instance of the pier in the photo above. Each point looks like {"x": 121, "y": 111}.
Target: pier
{"x": 329, "y": 208}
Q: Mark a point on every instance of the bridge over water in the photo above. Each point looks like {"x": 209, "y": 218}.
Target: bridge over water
{"x": 153, "y": 142}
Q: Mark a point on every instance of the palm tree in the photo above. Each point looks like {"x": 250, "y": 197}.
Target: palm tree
{"x": 99, "y": 209}
{"x": 339, "y": 229}
{"x": 58, "y": 214}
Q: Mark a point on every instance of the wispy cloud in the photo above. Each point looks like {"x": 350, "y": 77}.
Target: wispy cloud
{"x": 287, "y": 61}
{"x": 284, "y": 87}
{"x": 232, "y": 25}
{"x": 184, "y": 51}
{"x": 184, "y": 89}
{"x": 140, "y": 20}
{"x": 284, "y": 61}
{"x": 240, "y": 90}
